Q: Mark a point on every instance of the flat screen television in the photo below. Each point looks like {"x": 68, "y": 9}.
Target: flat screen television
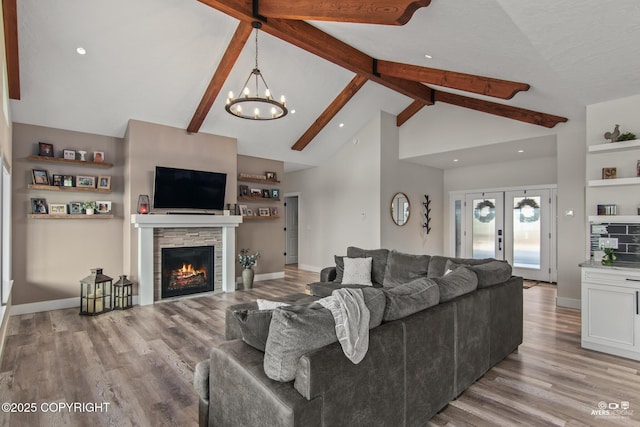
{"x": 188, "y": 189}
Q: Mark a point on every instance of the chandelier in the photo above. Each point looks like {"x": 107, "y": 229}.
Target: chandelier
{"x": 256, "y": 107}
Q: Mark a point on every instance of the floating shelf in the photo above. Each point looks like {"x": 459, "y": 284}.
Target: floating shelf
{"x": 613, "y": 182}
{"x": 264, "y": 181}
{"x": 56, "y": 188}
{"x": 600, "y": 219}
{"x": 70, "y": 216}
{"x": 614, "y": 146}
{"x": 70, "y": 162}
{"x": 257, "y": 199}
{"x": 262, "y": 217}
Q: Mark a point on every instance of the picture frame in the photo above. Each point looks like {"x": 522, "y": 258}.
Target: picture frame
{"x": 39, "y": 206}
{"x": 104, "y": 183}
{"x": 271, "y": 176}
{"x": 244, "y": 191}
{"x": 45, "y": 149}
{"x": 243, "y": 210}
{"x": 83, "y": 181}
{"x": 75, "y": 208}
{"x": 58, "y": 208}
{"x": 263, "y": 212}
{"x": 609, "y": 173}
{"x": 68, "y": 181}
{"x": 266, "y": 194}
{"x": 104, "y": 207}
{"x": 69, "y": 154}
{"x": 40, "y": 177}
{"x": 98, "y": 157}
{"x": 275, "y": 193}
{"x": 256, "y": 192}
{"x": 249, "y": 212}
{"x": 274, "y": 211}
{"x": 56, "y": 180}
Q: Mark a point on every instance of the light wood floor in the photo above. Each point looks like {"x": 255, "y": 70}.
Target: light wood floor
{"x": 141, "y": 362}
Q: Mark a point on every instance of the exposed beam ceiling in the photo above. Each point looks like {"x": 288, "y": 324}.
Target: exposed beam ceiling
{"x": 408, "y": 112}
{"x": 10, "y": 14}
{"x": 227, "y": 62}
{"x": 347, "y": 93}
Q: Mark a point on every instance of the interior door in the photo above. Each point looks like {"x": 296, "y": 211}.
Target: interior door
{"x": 484, "y": 225}
{"x": 528, "y": 233}
{"x": 291, "y": 229}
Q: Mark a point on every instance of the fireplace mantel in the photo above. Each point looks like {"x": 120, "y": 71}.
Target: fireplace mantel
{"x": 145, "y": 225}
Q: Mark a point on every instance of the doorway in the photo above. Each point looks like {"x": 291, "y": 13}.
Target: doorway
{"x": 291, "y": 229}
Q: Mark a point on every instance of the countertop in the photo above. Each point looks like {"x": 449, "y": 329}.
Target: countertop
{"x": 615, "y": 266}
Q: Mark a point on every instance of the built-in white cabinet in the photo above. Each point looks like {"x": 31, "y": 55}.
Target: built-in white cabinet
{"x": 610, "y": 310}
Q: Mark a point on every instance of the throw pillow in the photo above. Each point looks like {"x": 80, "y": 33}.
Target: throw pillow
{"x": 402, "y": 268}
{"x": 339, "y": 268}
{"x": 378, "y": 265}
{"x": 459, "y": 282}
{"x": 408, "y": 298}
{"x": 357, "y": 271}
{"x": 254, "y": 325}
{"x": 489, "y": 274}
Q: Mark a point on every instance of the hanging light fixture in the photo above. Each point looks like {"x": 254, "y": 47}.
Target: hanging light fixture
{"x": 253, "y": 106}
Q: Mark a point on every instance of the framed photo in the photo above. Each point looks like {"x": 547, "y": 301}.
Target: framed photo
{"x": 263, "y": 211}
{"x": 275, "y": 193}
{"x": 249, "y": 212}
{"x": 40, "y": 177}
{"x": 45, "y": 149}
{"x": 244, "y": 191}
{"x": 274, "y": 211}
{"x": 243, "y": 210}
{"x": 67, "y": 180}
{"x": 56, "y": 180}
{"x": 271, "y": 176}
{"x": 98, "y": 156}
{"x": 266, "y": 194}
{"x": 104, "y": 207}
{"x": 56, "y": 208}
{"x": 39, "y": 206}
{"x": 75, "y": 207}
{"x": 609, "y": 173}
{"x": 104, "y": 182}
{"x": 69, "y": 154}
{"x": 86, "y": 181}
{"x": 256, "y": 192}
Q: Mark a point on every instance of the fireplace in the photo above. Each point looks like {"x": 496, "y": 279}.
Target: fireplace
{"x": 187, "y": 270}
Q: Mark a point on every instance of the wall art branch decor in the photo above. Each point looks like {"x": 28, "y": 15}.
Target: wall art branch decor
{"x": 427, "y": 213}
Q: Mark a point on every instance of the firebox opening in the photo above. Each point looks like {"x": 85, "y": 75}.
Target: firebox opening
{"x": 187, "y": 270}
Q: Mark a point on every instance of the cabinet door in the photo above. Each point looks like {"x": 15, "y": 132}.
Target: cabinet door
{"x": 609, "y": 316}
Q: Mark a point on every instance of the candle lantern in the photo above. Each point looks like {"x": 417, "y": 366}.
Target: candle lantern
{"x": 122, "y": 294}
{"x": 95, "y": 293}
{"x": 143, "y": 204}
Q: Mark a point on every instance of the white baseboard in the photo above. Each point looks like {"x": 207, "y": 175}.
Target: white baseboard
{"x": 311, "y": 268}
{"x": 568, "y": 302}
{"x": 265, "y": 276}
{"x": 58, "y": 304}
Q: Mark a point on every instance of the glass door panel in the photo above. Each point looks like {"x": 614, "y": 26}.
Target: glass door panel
{"x": 484, "y": 225}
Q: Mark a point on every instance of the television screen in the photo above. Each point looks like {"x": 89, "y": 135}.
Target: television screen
{"x": 188, "y": 189}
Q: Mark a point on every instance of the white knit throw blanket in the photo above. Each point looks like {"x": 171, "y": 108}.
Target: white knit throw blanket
{"x": 352, "y": 321}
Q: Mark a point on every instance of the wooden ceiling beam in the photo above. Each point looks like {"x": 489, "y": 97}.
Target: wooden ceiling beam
{"x": 242, "y": 33}
{"x": 508, "y": 111}
{"x": 329, "y": 113}
{"x": 497, "y": 88}
{"x": 408, "y": 112}
{"x": 10, "y": 14}
{"x": 387, "y": 12}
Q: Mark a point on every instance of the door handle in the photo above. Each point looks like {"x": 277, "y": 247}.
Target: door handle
{"x": 499, "y": 243}
{"x": 637, "y": 302}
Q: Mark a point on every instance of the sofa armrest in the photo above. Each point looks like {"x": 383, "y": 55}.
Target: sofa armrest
{"x": 201, "y": 385}
{"x": 328, "y": 274}
{"x": 231, "y": 325}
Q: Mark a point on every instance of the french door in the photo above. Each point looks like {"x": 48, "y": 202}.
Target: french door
{"x": 516, "y": 226}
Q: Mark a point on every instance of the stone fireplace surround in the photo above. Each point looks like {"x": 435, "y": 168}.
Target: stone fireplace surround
{"x": 183, "y": 230}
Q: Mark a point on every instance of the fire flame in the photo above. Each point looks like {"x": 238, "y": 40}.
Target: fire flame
{"x": 188, "y": 270}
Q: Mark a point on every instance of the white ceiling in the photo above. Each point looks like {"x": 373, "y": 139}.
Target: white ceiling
{"x": 152, "y": 60}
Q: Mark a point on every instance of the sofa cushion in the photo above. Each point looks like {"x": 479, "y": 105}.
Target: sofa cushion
{"x": 378, "y": 265}
{"x": 402, "y": 268}
{"x": 376, "y": 302}
{"x": 409, "y": 298}
{"x": 357, "y": 271}
{"x": 339, "y": 267}
{"x": 459, "y": 282}
{"x": 489, "y": 274}
{"x": 437, "y": 264}
{"x": 293, "y": 332}
{"x": 254, "y": 325}
{"x": 324, "y": 289}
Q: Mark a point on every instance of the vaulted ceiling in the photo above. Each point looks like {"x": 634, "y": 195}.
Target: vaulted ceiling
{"x": 154, "y": 59}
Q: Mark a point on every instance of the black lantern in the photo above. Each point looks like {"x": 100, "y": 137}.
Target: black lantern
{"x": 122, "y": 294}
{"x": 95, "y": 293}
{"x": 143, "y": 204}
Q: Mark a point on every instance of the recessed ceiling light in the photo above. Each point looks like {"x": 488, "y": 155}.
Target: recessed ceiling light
{"x": 81, "y": 50}
{"x": 428, "y": 56}
{"x": 520, "y": 151}
{"x": 455, "y": 160}
{"x": 341, "y": 125}
{"x": 293, "y": 111}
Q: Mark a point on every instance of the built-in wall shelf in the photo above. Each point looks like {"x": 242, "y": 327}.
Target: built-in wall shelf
{"x": 261, "y": 217}
{"x": 606, "y": 219}
{"x": 257, "y": 199}
{"x": 56, "y": 188}
{"x": 70, "y": 161}
{"x": 262, "y": 181}
{"x": 614, "y": 182}
{"x": 614, "y": 146}
{"x": 70, "y": 216}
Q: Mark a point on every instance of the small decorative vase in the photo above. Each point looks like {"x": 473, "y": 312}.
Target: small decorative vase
{"x": 82, "y": 156}
{"x": 247, "y": 278}
{"x": 89, "y": 211}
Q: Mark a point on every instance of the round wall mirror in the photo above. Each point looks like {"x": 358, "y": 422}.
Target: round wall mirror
{"x": 400, "y": 209}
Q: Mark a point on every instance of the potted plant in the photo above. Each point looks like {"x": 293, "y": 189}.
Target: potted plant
{"x": 609, "y": 256}
{"x": 89, "y": 207}
{"x": 247, "y": 261}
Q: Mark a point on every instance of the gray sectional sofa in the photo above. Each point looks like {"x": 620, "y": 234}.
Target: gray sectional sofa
{"x": 439, "y": 333}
